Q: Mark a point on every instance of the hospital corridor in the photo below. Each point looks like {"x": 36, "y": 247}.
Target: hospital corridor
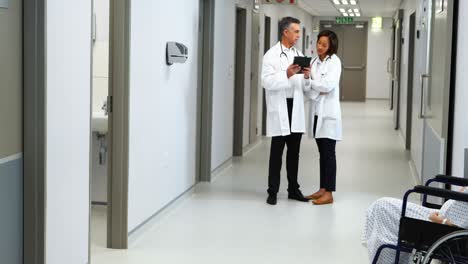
{"x": 233, "y": 131}
{"x": 227, "y": 220}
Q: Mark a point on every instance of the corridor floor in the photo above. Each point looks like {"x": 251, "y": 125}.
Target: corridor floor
{"x": 228, "y": 220}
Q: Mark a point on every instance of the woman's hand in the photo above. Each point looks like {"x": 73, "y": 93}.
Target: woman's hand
{"x": 306, "y": 72}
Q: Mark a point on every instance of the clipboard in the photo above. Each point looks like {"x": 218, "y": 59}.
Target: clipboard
{"x": 304, "y": 62}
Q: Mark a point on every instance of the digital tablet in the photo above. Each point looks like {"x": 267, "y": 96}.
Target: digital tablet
{"x": 304, "y": 62}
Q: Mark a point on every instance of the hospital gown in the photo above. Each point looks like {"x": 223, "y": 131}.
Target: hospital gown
{"x": 383, "y": 219}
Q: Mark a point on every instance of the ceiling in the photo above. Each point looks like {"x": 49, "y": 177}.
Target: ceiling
{"x": 369, "y": 8}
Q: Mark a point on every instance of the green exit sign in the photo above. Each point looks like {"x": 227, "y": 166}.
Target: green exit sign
{"x": 344, "y": 20}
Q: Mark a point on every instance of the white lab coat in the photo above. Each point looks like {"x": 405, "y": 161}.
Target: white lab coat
{"x": 326, "y": 79}
{"x": 275, "y": 82}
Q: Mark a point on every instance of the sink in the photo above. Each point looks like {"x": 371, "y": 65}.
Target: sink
{"x": 99, "y": 122}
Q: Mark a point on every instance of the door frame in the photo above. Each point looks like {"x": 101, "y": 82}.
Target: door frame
{"x": 34, "y": 103}
{"x": 453, "y": 88}
{"x": 239, "y": 80}
{"x": 205, "y": 89}
{"x": 254, "y": 76}
{"x": 34, "y": 90}
{"x": 411, "y": 53}
{"x": 118, "y": 133}
{"x": 266, "y": 47}
{"x": 396, "y": 83}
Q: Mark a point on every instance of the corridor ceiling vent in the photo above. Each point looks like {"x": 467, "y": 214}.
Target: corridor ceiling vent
{"x": 376, "y": 23}
{"x": 347, "y": 7}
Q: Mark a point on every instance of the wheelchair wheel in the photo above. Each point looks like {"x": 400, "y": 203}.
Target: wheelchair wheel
{"x": 450, "y": 249}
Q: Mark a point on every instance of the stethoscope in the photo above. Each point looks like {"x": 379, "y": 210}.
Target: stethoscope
{"x": 286, "y": 57}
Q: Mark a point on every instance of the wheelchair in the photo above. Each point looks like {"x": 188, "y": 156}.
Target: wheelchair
{"x": 429, "y": 242}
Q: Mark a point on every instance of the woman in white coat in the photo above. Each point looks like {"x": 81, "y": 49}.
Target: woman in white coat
{"x": 325, "y": 112}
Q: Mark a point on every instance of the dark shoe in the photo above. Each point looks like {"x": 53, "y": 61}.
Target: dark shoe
{"x": 298, "y": 196}
{"x": 271, "y": 199}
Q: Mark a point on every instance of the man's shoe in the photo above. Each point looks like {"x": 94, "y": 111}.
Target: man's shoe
{"x": 298, "y": 196}
{"x": 271, "y": 199}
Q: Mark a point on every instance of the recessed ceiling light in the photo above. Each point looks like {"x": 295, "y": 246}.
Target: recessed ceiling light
{"x": 353, "y": 2}
{"x": 344, "y": 2}
{"x": 350, "y": 10}
{"x": 351, "y": 14}
{"x": 358, "y": 14}
{"x": 342, "y": 10}
{"x": 345, "y": 14}
{"x": 336, "y": 2}
{"x": 356, "y": 10}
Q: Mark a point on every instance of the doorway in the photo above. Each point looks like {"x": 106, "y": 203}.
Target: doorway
{"x": 409, "y": 104}
{"x": 99, "y": 124}
{"x": 266, "y": 47}
{"x": 352, "y": 50}
{"x": 254, "y": 76}
{"x": 398, "y": 30}
{"x": 437, "y": 97}
{"x": 239, "y": 80}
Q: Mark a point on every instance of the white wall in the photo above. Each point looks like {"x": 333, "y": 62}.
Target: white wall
{"x": 68, "y": 94}
{"x": 163, "y": 106}
{"x": 223, "y": 79}
{"x": 379, "y": 50}
{"x": 460, "y": 140}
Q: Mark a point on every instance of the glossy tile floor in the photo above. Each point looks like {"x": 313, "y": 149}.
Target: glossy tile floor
{"x": 228, "y": 220}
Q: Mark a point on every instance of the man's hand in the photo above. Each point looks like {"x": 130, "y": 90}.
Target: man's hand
{"x": 292, "y": 70}
{"x": 306, "y": 72}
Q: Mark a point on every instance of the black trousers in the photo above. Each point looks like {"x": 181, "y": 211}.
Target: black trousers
{"x": 293, "y": 142}
{"x": 327, "y": 152}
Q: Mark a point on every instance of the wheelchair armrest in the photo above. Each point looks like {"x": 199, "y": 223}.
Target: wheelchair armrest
{"x": 448, "y": 180}
{"x": 442, "y": 193}
{"x": 437, "y": 192}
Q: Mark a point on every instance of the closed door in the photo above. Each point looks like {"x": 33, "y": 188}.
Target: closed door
{"x": 436, "y": 90}
{"x": 354, "y": 44}
{"x": 352, "y": 50}
{"x": 420, "y": 65}
{"x": 241, "y": 22}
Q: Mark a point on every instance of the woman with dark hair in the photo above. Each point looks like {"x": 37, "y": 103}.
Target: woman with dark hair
{"x": 325, "y": 112}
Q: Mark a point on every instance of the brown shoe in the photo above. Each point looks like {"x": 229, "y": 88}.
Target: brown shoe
{"x": 326, "y": 198}
{"x": 316, "y": 195}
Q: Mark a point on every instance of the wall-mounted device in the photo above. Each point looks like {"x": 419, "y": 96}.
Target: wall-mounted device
{"x": 176, "y": 53}
{"x": 4, "y": 3}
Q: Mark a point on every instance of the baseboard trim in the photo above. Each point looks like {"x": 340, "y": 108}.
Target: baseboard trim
{"x": 221, "y": 169}
{"x": 252, "y": 146}
{"x": 414, "y": 172}
{"x": 11, "y": 158}
{"x": 142, "y": 228}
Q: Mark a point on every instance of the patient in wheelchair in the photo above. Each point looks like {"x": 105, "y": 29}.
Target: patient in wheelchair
{"x": 383, "y": 219}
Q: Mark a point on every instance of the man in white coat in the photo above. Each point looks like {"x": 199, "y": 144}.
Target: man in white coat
{"x": 284, "y": 88}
